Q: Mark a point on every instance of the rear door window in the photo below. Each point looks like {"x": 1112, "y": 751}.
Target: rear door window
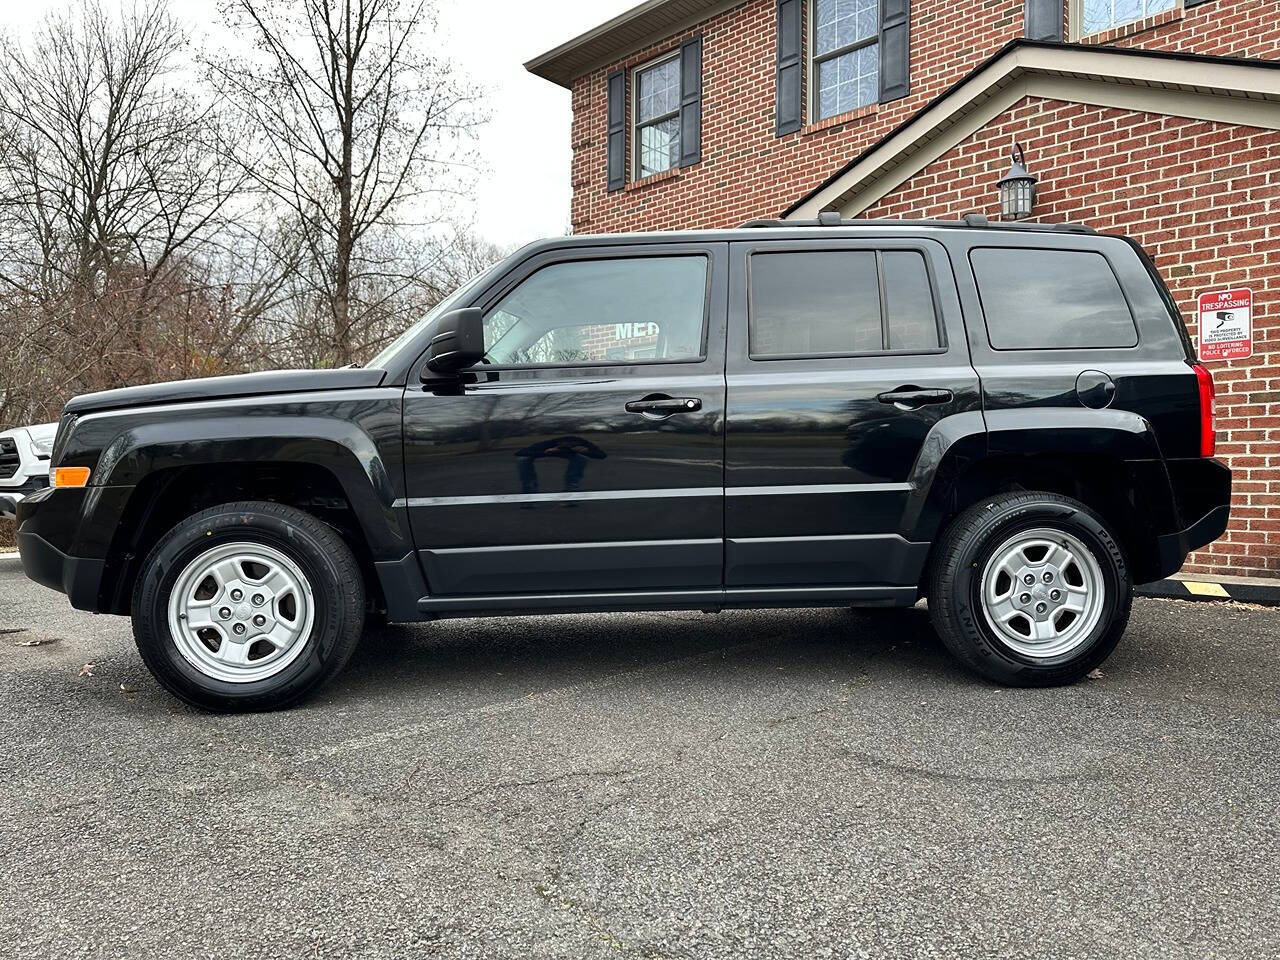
{"x": 836, "y": 303}
{"x": 1051, "y": 300}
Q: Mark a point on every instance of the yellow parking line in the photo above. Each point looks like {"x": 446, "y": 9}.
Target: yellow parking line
{"x": 1202, "y": 589}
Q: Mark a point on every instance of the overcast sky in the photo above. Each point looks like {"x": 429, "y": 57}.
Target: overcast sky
{"x": 523, "y": 192}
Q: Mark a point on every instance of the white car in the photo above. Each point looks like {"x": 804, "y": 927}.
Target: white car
{"x": 24, "y": 463}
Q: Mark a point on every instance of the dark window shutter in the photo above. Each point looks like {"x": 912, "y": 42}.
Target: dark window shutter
{"x": 691, "y": 102}
{"x": 895, "y": 49}
{"x": 617, "y": 130}
{"x": 1042, "y": 20}
{"x": 790, "y": 69}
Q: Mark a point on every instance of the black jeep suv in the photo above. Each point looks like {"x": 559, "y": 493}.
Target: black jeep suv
{"x": 1006, "y": 419}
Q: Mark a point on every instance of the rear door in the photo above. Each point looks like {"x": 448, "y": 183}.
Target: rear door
{"x": 852, "y": 352}
{"x": 585, "y": 455}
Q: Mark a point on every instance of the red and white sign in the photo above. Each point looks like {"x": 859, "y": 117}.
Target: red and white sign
{"x": 1226, "y": 324}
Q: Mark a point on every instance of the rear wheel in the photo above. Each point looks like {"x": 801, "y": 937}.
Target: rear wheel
{"x": 248, "y": 606}
{"x": 1030, "y": 589}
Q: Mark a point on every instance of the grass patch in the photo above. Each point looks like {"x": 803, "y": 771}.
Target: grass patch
{"x": 7, "y": 541}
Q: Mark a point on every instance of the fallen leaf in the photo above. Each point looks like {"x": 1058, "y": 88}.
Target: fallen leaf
{"x": 128, "y": 689}
{"x": 1096, "y": 674}
{"x": 37, "y": 642}
{"x": 87, "y": 670}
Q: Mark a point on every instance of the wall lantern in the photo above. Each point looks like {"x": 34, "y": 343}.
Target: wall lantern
{"x": 1017, "y": 188}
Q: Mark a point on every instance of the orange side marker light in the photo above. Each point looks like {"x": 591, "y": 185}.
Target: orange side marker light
{"x": 70, "y": 476}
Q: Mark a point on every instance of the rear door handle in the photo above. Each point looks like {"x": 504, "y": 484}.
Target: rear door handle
{"x": 658, "y": 407}
{"x": 912, "y": 398}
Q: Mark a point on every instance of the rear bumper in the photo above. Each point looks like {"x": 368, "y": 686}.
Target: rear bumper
{"x": 1202, "y": 497}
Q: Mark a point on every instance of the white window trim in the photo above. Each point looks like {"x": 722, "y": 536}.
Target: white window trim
{"x": 1075, "y": 16}
{"x": 634, "y": 120}
{"x": 811, "y": 56}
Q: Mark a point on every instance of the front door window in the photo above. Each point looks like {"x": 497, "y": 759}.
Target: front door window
{"x": 632, "y": 310}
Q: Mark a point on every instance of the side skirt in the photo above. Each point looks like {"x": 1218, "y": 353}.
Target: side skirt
{"x": 711, "y": 601}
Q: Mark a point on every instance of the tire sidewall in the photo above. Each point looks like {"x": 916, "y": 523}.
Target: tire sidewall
{"x": 1000, "y": 659}
{"x": 189, "y": 540}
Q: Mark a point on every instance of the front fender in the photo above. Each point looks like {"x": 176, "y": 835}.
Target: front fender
{"x": 340, "y": 441}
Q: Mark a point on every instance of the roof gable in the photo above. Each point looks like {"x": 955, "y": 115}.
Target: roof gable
{"x": 1210, "y": 88}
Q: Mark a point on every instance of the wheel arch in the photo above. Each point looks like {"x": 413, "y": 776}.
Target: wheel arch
{"x": 1107, "y": 459}
{"x": 163, "y": 497}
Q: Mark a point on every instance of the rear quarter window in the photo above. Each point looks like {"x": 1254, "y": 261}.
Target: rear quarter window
{"x": 1051, "y": 300}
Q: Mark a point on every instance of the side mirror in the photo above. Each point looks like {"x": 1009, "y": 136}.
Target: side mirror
{"x": 458, "y": 342}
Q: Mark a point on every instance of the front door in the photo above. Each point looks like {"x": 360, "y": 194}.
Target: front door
{"x": 586, "y": 454}
{"x": 853, "y": 352}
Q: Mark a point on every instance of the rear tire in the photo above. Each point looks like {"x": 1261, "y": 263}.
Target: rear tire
{"x": 1053, "y": 629}
{"x": 248, "y": 606}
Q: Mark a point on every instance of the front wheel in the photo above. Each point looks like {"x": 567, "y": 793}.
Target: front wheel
{"x": 248, "y": 606}
{"x": 1030, "y": 589}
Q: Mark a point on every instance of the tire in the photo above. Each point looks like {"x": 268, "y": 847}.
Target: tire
{"x": 966, "y": 577}
{"x": 310, "y": 598}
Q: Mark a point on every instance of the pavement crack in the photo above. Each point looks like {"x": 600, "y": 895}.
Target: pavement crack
{"x": 945, "y": 776}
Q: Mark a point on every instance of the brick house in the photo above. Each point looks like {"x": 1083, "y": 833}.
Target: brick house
{"x": 1157, "y": 118}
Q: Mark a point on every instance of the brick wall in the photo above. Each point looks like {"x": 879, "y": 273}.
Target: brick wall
{"x": 749, "y": 172}
{"x": 746, "y": 170}
{"x": 1206, "y": 205}
{"x": 1203, "y": 198}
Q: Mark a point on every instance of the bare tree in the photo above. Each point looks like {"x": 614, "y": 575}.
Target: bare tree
{"x": 360, "y": 134}
{"x": 108, "y": 191}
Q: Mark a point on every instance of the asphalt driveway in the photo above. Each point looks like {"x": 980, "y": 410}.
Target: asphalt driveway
{"x": 810, "y": 783}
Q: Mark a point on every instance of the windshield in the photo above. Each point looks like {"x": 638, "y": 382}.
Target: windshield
{"x": 442, "y": 307}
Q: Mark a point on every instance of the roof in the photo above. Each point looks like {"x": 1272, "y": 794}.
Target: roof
{"x": 1222, "y": 89}
{"x": 972, "y": 226}
{"x": 638, "y": 27}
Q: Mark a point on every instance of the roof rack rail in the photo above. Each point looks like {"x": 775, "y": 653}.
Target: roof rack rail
{"x": 830, "y": 218}
{"x": 827, "y": 218}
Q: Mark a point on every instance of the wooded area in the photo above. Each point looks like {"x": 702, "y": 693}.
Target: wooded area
{"x": 167, "y": 214}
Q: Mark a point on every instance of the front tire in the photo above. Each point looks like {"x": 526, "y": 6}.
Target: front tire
{"x": 248, "y": 606}
{"x": 1029, "y": 589}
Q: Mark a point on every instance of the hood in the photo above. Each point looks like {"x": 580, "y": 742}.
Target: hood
{"x": 41, "y": 432}
{"x": 35, "y": 432}
{"x": 213, "y": 388}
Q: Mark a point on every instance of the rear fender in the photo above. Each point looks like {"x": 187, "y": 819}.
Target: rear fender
{"x": 958, "y": 444}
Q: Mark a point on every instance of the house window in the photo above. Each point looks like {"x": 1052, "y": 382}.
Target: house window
{"x": 845, "y": 72}
{"x": 657, "y": 117}
{"x": 1099, "y": 15}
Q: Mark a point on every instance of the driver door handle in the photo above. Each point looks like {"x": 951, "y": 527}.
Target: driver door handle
{"x": 663, "y": 406}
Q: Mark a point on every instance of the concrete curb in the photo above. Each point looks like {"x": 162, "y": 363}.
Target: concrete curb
{"x": 1263, "y": 592}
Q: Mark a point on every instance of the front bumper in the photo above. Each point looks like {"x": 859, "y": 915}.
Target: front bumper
{"x": 52, "y": 547}
{"x": 11, "y": 496}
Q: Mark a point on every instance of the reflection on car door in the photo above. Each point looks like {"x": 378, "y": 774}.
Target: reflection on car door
{"x": 586, "y": 455}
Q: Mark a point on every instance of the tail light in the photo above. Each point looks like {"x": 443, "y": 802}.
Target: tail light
{"x": 1208, "y": 430}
